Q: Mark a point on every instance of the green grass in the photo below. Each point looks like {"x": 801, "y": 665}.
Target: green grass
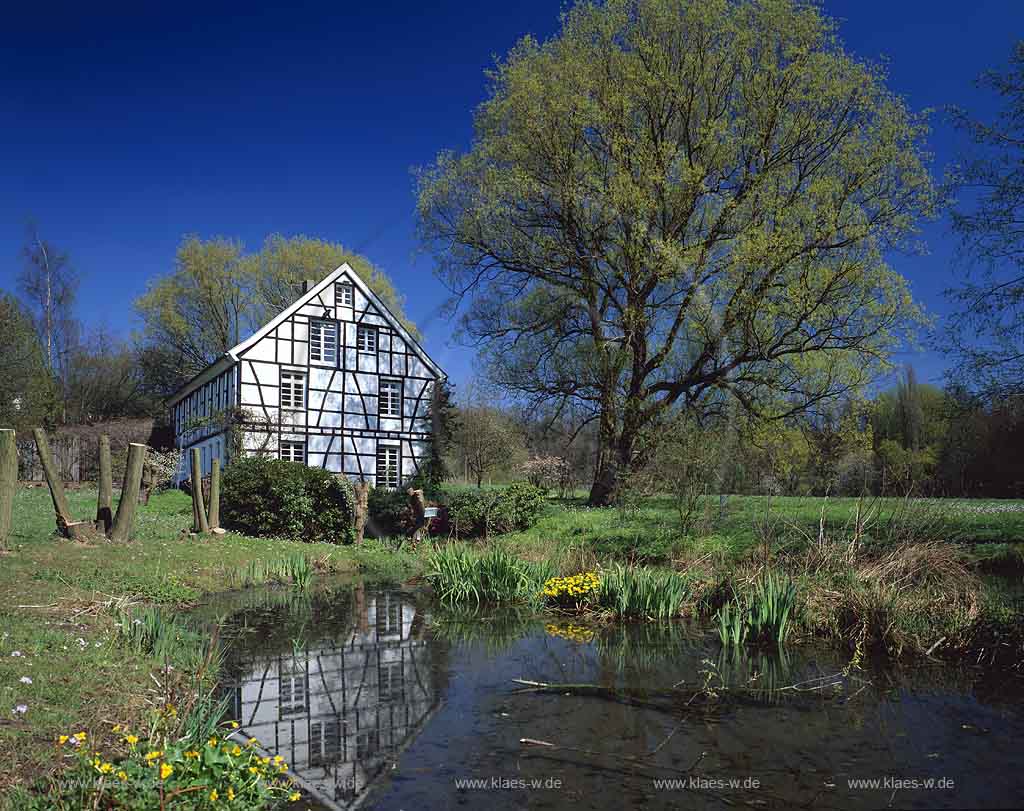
{"x": 650, "y": 534}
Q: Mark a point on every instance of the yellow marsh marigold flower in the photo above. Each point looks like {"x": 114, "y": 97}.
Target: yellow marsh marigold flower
{"x": 213, "y": 796}
{"x": 63, "y": 739}
{"x": 252, "y": 742}
{"x": 234, "y": 724}
{"x": 151, "y": 756}
{"x": 237, "y": 750}
{"x": 211, "y": 742}
{"x": 79, "y": 736}
{"x": 106, "y": 768}
{"x": 253, "y": 770}
{"x": 294, "y": 797}
{"x": 116, "y": 728}
{"x": 122, "y": 775}
{"x": 231, "y": 793}
{"x": 131, "y": 740}
{"x": 166, "y": 770}
{"x": 191, "y": 754}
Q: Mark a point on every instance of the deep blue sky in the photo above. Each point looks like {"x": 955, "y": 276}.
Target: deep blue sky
{"x": 124, "y": 127}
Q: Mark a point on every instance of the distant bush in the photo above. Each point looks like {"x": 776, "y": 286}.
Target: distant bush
{"x": 276, "y": 498}
{"x": 485, "y": 512}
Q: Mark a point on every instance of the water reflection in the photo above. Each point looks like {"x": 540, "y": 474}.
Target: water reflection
{"x": 380, "y": 698}
{"x": 342, "y": 708}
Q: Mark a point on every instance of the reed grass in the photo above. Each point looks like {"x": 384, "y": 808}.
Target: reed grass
{"x": 639, "y": 592}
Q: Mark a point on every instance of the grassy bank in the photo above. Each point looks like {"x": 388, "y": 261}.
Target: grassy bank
{"x": 64, "y": 665}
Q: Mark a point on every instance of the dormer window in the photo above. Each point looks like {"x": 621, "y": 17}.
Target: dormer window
{"x": 323, "y": 342}
{"x": 344, "y": 295}
{"x": 366, "y": 338}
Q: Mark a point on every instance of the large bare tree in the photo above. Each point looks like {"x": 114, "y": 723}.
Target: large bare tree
{"x": 675, "y": 204}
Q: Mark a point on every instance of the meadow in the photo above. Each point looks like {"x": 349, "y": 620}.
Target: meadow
{"x": 68, "y": 664}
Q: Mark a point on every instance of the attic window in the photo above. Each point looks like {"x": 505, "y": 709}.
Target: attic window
{"x": 323, "y": 342}
{"x": 344, "y": 295}
{"x": 366, "y": 338}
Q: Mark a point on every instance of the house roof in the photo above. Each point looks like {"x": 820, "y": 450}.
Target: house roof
{"x": 345, "y": 270}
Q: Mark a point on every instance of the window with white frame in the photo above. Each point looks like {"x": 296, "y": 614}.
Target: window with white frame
{"x": 390, "y": 398}
{"x": 323, "y": 341}
{"x": 293, "y": 692}
{"x": 325, "y": 742}
{"x": 293, "y": 389}
{"x": 293, "y": 451}
{"x": 344, "y": 295}
{"x": 387, "y": 466}
{"x": 366, "y": 338}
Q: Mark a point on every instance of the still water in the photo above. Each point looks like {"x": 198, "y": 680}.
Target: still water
{"x": 380, "y": 699}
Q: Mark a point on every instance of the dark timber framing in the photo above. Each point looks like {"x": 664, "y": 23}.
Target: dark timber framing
{"x": 339, "y": 423}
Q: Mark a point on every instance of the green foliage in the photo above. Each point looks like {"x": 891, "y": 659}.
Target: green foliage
{"x": 273, "y": 497}
{"x": 639, "y": 592}
{"x": 488, "y": 512}
{"x": 294, "y": 569}
{"x": 159, "y": 770}
{"x": 28, "y": 392}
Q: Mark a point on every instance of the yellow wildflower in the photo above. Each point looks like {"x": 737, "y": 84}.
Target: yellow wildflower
{"x": 63, "y": 739}
{"x": 151, "y": 756}
{"x": 211, "y": 742}
{"x": 166, "y": 770}
{"x": 116, "y": 728}
{"x": 106, "y": 768}
{"x": 191, "y": 754}
{"x": 294, "y": 797}
{"x": 231, "y": 793}
{"x": 131, "y": 740}
{"x": 213, "y": 796}
{"x": 79, "y": 736}
{"x": 122, "y": 775}
{"x": 237, "y": 750}
{"x": 234, "y": 724}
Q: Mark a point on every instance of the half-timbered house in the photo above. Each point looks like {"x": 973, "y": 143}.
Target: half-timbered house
{"x": 334, "y": 381}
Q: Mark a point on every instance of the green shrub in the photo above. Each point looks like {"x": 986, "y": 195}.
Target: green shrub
{"x": 475, "y": 513}
{"x": 764, "y": 615}
{"x": 272, "y": 497}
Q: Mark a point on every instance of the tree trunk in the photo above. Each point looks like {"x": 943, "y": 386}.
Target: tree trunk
{"x": 362, "y": 491}
{"x": 602, "y": 491}
{"x": 8, "y": 482}
{"x": 129, "y": 500}
{"x": 214, "y": 511}
{"x": 105, "y": 498}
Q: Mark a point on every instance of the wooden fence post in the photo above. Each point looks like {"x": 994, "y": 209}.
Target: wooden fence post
{"x": 8, "y": 482}
{"x": 105, "y": 498}
{"x": 65, "y": 523}
{"x": 129, "y": 493}
{"x": 214, "y": 510}
{"x": 198, "y": 508}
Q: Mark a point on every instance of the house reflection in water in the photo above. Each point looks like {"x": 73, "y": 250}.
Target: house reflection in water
{"x": 341, "y": 711}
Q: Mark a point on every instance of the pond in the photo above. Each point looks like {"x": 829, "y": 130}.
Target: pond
{"x": 379, "y": 698}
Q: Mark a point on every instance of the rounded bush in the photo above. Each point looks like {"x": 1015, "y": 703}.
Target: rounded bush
{"x": 276, "y": 498}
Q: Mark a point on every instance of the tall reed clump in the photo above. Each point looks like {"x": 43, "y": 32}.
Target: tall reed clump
{"x": 294, "y": 569}
{"x": 152, "y": 631}
{"x": 461, "y": 575}
{"x": 632, "y": 591}
{"x": 764, "y": 615}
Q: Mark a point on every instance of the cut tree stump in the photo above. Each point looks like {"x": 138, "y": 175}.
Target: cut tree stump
{"x": 129, "y": 493}
{"x": 8, "y": 483}
{"x": 202, "y": 524}
{"x": 213, "y": 513}
{"x": 105, "y": 498}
